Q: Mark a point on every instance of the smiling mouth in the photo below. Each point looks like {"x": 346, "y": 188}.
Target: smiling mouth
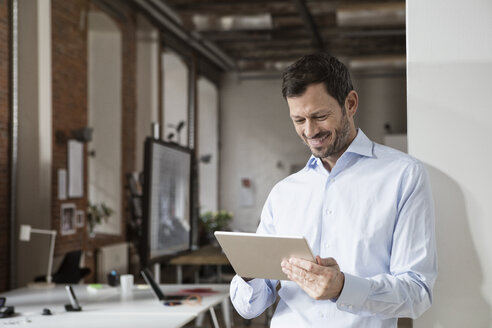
{"x": 317, "y": 141}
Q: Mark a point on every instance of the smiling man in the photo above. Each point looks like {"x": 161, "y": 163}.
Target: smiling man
{"x": 324, "y": 125}
{"x": 366, "y": 210}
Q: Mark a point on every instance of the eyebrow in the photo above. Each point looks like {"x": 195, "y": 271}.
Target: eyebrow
{"x": 317, "y": 113}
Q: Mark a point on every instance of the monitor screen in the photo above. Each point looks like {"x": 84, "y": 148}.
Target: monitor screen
{"x": 166, "y": 198}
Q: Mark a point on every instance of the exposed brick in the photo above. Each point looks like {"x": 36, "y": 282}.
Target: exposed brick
{"x": 69, "y": 91}
{"x": 70, "y": 110}
{"x": 69, "y": 76}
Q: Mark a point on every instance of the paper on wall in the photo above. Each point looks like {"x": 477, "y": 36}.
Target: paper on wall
{"x": 75, "y": 169}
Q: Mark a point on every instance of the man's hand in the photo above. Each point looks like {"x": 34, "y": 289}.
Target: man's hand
{"x": 321, "y": 280}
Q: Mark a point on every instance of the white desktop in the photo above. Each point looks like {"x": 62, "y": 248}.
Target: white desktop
{"x": 108, "y": 307}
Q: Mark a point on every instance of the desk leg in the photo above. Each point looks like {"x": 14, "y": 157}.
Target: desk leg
{"x": 199, "y": 320}
{"x": 214, "y": 317}
{"x": 179, "y": 274}
{"x": 226, "y": 313}
{"x": 197, "y": 276}
{"x": 157, "y": 272}
{"x": 219, "y": 274}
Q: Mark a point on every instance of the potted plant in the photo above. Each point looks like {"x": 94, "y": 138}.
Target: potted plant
{"x": 214, "y": 221}
{"x": 97, "y": 214}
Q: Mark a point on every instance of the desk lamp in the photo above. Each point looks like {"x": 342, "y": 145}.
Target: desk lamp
{"x": 25, "y": 235}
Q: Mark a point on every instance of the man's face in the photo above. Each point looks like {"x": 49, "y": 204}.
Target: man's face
{"x": 320, "y": 121}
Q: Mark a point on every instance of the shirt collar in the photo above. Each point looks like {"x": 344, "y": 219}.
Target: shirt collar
{"x": 361, "y": 145}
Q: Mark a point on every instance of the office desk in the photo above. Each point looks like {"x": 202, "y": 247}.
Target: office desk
{"x": 108, "y": 308}
{"x": 207, "y": 255}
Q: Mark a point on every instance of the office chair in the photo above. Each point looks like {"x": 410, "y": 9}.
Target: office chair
{"x": 69, "y": 271}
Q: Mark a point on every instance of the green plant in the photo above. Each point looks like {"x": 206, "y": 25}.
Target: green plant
{"x": 213, "y": 221}
{"x": 96, "y": 214}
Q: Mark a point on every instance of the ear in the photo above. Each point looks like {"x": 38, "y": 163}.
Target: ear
{"x": 351, "y": 103}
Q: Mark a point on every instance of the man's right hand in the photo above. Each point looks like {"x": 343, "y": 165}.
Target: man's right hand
{"x": 321, "y": 280}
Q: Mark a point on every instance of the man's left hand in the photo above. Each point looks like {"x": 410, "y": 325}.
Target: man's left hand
{"x": 321, "y": 280}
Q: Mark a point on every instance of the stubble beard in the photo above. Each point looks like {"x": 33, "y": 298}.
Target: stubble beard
{"x": 342, "y": 135}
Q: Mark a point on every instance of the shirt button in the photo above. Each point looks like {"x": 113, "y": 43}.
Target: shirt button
{"x": 350, "y": 307}
{"x": 321, "y": 315}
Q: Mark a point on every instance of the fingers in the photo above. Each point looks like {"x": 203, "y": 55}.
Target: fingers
{"x": 304, "y": 264}
{"x": 318, "y": 280}
{"x": 329, "y": 261}
{"x": 310, "y": 266}
{"x": 301, "y": 271}
{"x": 298, "y": 275}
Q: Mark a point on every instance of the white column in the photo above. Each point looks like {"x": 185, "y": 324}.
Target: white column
{"x": 449, "y": 123}
{"x": 35, "y": 141}
{"x": 105, "y": 116}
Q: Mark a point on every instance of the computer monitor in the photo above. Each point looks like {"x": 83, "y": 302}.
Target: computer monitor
{"x": 166, "y": 199}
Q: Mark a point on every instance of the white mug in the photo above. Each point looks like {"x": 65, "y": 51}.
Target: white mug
{"x": 126, "y": 283}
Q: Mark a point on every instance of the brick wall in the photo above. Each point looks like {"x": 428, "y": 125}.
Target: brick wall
{"x": 69, "y": 78}
{"x": 4, "y": 145}
{"x": 69, "y": 58}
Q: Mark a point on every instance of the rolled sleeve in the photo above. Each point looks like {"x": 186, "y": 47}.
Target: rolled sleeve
{"x": 251, "y": 298}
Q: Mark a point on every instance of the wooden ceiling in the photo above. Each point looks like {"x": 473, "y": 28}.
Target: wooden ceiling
{"x": 265, "y": 35}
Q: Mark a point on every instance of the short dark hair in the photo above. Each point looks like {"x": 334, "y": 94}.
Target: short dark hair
{"x": 317, "y": 68}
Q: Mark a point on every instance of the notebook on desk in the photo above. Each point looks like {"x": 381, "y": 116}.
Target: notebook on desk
{"x": 158, "y": 291}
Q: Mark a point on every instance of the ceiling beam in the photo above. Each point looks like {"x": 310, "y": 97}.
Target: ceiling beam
{"x": 309, "y": 24}
{"x": 378, "y": 62}
{"x": 265, "y": 35}
{"x": 263, "y": 65}
{"x": 276, "y": 54}
{"x": 242, "y": 45}
{"x": 203, "y": 23}
{"x": 369, "y": 14}
{"x": 232, "y": 8}
{"x": 153, "y": 10}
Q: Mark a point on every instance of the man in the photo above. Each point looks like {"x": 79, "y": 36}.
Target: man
{"x": 365, "y": 209}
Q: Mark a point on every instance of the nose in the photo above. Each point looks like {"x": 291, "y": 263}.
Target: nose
{"x": 311, "y": 129}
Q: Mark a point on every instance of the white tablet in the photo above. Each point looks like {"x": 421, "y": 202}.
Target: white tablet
{"x": 259, "y": 256}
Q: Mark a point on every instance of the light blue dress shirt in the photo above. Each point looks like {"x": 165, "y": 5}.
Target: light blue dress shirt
{"x": 374, "y": 214}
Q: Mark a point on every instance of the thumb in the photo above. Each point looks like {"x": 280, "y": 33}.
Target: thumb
{"x": 329, "y": 261}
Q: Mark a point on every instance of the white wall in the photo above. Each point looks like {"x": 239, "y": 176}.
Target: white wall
{"x": 258, "y": 141}
{"x": 382, "y": 99}
{"x": 105, "y": 116}
{"x": 208, "y": 144}
{"x": 449, "y": 121}
{"x": 33, "y": 202}
{"x": 175, "y": 96}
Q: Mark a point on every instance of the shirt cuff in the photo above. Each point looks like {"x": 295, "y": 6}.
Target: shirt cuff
{"x": 354, "y": 293}
{"x": 238, "y": 283}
